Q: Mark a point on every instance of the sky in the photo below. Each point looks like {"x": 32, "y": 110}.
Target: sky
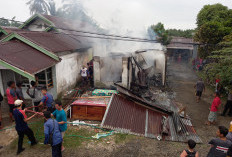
{"x": 128, "y": 15}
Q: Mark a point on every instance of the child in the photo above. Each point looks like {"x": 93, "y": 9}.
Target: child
{"x": 214, "y": 108}
{"x": 190, "y": 152}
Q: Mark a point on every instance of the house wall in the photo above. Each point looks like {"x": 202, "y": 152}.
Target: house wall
{"x": 68, "y": 70}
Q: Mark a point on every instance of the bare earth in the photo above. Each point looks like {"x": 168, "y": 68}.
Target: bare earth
{"x": 182, "y": 80}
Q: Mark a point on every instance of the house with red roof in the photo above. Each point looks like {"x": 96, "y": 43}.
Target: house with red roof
{"x": 43, "y": 49}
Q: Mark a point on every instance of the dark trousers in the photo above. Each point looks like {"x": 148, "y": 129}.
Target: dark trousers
{"x": 227, "y": 107}
{"x": 30, "y": 136}
{"x": 36, "y": 104}
{"x": 56, "y": 150}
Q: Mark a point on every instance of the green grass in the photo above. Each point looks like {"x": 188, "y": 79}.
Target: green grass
{"x": 119, "y": 138}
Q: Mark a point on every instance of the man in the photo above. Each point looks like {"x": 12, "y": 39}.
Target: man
{"x": 228, "y": 105}
{"x": 61, "y": 118}
{"x": 33, "y": 92}
{"x": 90, "y": 74}
{"x": 47, "y": 99}
{"x": 51, "y": 128}
{"x": 21, "y": 125}
{"x": 200, "y": 87}
{"x": 84, "y": 74}
{"x": 219, "y": 146}
{"x": 11, "y": 97}
{"x": 214, "y": 108}
{"x": 19, "y": 93}
{"x": 1, "y": 99}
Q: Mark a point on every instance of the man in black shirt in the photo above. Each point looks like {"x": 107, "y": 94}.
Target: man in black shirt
{"x": 220, "y": 146}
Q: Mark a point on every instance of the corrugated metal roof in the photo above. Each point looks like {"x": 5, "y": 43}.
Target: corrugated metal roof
{"x": 132, "y": 117}
{"x": 55, "y": 42}
{"x": 181, "y": 43}
{"x": 24, "y": 57}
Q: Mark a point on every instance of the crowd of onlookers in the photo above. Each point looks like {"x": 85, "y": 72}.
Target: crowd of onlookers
{"x": 43, "y": 105}
{"x": 221, "y": 146}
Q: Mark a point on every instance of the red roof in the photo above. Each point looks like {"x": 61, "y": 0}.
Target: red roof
{"x": 55, "y": 42}
{"x": 24, "y": 57}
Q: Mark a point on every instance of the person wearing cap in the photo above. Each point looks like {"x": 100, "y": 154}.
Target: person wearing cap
{"x": 21, "y": 125}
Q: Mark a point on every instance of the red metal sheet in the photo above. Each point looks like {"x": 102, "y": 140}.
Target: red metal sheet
{"x": 99, "y": 103}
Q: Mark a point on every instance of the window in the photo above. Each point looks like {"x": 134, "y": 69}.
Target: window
{"x": 19, "y": 78}
{"x": 44, "y": 78}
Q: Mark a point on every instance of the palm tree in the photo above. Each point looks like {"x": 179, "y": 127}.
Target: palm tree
{"x": 42, "y": 7}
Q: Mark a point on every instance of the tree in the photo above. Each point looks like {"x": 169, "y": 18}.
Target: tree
{"x": 221, "y": 63}
{"x": 159, "y": 29}
{"x": 11, "y": 23}
{"x": 181, "y": 33}
{"x": 42, "y": 7}
{"x": 214, "y": 22}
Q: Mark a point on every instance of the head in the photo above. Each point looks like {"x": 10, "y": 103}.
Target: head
{"x": 11, "y": 84}
{"x": 44, "y": 90}
{"x": 217, "y": 94}
{"x": 191, "y": 144}
{"x": 222, "y": 131}
{"x": 33, "y": 83}
{"x": 19, "y": 84}
{"x": 47, "y": 114}
{"x": 58, "y": 105}
{"x": 200, "y": 79}
{"x": 18, "y": 103}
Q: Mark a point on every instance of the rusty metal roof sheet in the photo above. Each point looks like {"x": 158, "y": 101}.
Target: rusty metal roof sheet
{"x": 24, "y": 57}
{"x": 132, "y": 117}
{"x": 55, "y": 42}
{"x": 181, "y": 43}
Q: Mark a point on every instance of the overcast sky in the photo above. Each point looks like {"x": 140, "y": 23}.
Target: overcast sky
{"x": 128, "y": 14}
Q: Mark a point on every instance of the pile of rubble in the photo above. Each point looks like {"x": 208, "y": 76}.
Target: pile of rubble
{"x": 153, "y": 114}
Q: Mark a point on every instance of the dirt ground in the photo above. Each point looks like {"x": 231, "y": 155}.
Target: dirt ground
{"x": 181, "y": 80}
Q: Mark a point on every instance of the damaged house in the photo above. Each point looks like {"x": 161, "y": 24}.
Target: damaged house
{"x": 38, "y": 51}
{"x": 142, "y": 68}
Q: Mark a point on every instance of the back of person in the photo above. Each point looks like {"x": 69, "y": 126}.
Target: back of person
{"x": 53, "y": 124}
{"x": 19, "y": 116}
{"x": 10, "y": 98}
{"x": 35, "y": 94}
{"x": 48, "y": 100}
{"x": 219, "y": 148}
{"x": 190, "y": 154}
{"x": 200, "y": 86}
{"x": 215, "y": 104}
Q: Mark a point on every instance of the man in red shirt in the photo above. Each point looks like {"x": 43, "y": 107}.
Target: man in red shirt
{"x": 214, "y": 108}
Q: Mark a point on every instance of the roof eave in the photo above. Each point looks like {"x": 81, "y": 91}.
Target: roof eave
{"x": 33, "y": 17}
{"x": 32, "y": 44}
{"x": 17, "y": 70}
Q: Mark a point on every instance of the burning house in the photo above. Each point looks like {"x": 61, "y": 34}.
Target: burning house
{"x": 141, "y": 68}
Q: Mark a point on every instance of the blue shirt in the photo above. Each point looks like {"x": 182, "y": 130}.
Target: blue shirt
{"x": 47, "y": 100}
{"x": 61, "y": 116}
{"x": 48, "y": 128}
{"x": 21, "y": 125}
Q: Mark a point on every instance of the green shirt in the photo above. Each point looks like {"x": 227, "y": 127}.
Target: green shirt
{"x": 61, "y": 116}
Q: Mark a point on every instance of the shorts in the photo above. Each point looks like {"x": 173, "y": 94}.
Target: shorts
{"x": 199, "y": 93}
{"x": 11, "y": 106}
{"x": 212, "y": 116}
{"x": 62, "y": 134}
